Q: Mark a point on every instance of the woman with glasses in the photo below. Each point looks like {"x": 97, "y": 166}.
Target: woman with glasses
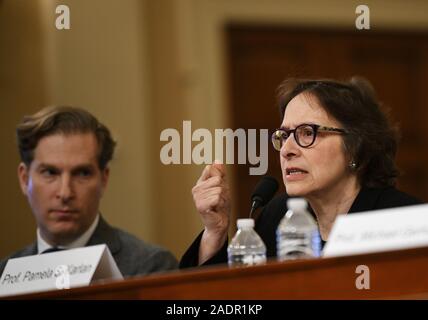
{"x": 336, "y": 148}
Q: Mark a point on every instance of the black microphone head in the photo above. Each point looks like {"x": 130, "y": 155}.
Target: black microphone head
{"x": 264, "y": 191}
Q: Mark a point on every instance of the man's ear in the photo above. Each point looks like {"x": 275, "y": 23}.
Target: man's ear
{"x": 23, "y": 177}
{"x": 105, "y": 173}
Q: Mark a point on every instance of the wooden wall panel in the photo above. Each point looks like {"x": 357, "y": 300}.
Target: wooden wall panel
{"x": 396, "y": 64}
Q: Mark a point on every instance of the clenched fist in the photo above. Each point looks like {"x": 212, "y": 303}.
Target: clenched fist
{"x": 212, "y": 199}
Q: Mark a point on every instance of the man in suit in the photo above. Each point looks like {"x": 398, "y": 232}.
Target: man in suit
{"x": 65, "y": 152}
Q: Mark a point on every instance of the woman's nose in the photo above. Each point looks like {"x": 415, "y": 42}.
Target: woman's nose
{"x": 289, "y": 147}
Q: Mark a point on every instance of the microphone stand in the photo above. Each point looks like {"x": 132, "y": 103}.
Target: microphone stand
{"x": 255, "y": 205}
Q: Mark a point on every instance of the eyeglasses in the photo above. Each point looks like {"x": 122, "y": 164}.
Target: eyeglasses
{"x": 304, "y": 134}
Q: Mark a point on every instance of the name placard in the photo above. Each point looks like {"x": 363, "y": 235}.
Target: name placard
{"x": 58, "y": 270}
{"x": 379, "y": 230}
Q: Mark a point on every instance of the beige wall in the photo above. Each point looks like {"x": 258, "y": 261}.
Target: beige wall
{"x": 141, "y": 67}
{"x": 101, "y": 64}
{"x": 22, "y": 90}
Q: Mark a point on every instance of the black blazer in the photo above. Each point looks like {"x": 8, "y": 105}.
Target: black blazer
{"x": 270, "y": 217}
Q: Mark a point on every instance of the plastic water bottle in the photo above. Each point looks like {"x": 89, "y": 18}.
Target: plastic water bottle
{"x": 297, "y": 236}
{"x": 246, "y": 247}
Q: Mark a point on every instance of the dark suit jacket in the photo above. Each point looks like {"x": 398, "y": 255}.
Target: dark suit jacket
{"x": 132, "y": 255}
{"x": 267, "y": 223}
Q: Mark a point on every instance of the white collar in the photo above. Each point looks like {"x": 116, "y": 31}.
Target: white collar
{"x": 81, "y": 241}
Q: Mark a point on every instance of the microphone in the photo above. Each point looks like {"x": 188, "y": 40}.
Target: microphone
{"x": 263, "y": 193}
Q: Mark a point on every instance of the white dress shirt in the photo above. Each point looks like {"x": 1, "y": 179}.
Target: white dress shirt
{"x": 81, "y": 241}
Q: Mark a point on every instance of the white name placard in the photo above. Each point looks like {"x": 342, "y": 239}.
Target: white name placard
{"x": 379, "y": 230}
{"x": 58, "y": 270}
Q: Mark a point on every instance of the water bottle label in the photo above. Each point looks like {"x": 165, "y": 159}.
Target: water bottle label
{"x": 247, "y": 259}
{"x": 254, "y": 259}
{"x": 297, "y": 245}
{"x": 316, "y": 243}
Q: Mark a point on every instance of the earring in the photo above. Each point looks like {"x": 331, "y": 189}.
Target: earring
{"x": 352, "y": 165}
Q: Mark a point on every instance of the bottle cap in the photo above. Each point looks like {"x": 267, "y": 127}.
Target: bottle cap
{"x": 297, "y": 204}
{"x": 245, "y": 223}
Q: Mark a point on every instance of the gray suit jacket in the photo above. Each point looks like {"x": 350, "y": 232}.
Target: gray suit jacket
{"x": 132, "y": 255}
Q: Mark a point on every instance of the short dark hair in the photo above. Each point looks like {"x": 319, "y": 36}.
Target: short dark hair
{"x": 371, "y": 140}
{"x": 64, "y": 120}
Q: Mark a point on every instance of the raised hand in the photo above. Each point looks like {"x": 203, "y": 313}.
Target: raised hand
{"x": 212, "y": 200}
